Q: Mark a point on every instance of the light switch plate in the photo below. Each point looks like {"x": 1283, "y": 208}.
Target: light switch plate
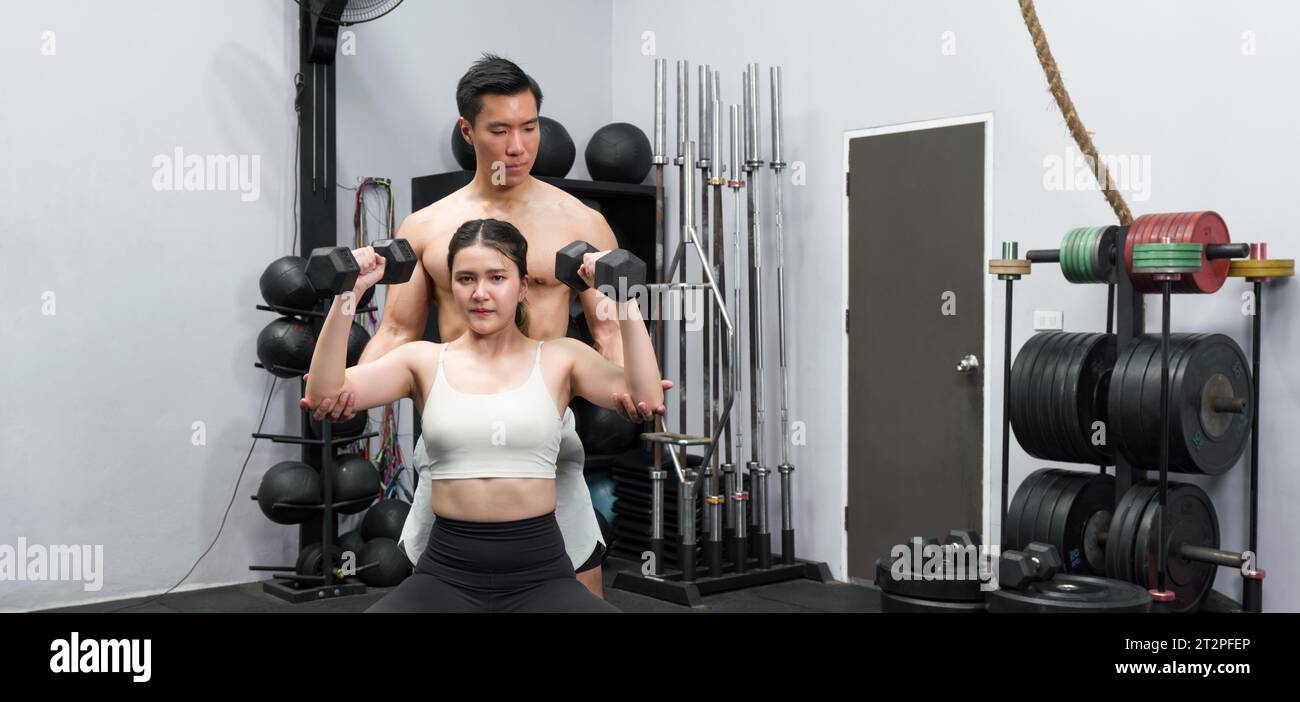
{"x": 1048, "y": 320}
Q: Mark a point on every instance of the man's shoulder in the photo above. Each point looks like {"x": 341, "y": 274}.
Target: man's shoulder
{"x": 431, "y": 219}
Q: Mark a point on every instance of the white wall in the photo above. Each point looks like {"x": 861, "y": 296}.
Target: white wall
{"x": 154, "y": 291}
{"x": 1218, "y": 134}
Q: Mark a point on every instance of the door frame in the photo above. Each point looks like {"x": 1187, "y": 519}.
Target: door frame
{"x": 987, "y": 119}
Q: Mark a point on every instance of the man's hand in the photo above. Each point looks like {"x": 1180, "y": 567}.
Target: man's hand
{"x": 338, "y": 409}
{"x": 638, "y": 412}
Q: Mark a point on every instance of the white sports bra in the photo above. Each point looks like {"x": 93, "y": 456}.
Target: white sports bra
{"x": 510, "y": 434}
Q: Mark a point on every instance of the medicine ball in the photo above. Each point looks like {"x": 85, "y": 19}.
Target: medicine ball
{"x": 286, "y": 342}
{"x": 555, "y": 151}
{"x": 618, "y": 152}
{"x": 603, "y": 431}
{"x": 358, "y": 337}
{"x": 310, "y": 559}
{"x": 352, "y": 427}
{"x": 289, "y": 482}
{"x": 354, "y": 478}
{"x": 461, "y": 149}
{"x": 353, "y": 542}
{"x": 385, "y": 520}
{"x": 392, "y": 564}
{"x": 284, "y": 284}
{"x": 601, "y": 485}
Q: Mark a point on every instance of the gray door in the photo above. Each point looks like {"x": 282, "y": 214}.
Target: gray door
{"x": 916, "y": 308}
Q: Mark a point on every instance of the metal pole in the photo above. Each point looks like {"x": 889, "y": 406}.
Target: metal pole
{"x": 758, "y": 473}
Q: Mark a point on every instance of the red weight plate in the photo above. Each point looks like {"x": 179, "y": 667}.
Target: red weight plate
{"x": 1207, "y": 228}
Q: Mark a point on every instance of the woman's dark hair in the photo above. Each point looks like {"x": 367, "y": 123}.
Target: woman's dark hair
{"x": 492, "y": 75}
{"x": 502, "y": 236}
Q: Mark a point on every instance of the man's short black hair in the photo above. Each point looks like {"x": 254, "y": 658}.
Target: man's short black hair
{"x": 492, "y": 75}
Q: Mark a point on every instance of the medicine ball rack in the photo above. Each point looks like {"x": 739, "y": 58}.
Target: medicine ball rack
{"x": 287, "y": 584}
{"x": 1143, "y": 259}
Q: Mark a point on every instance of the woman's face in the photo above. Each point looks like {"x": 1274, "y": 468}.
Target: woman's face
{"x": 487, "y": 287}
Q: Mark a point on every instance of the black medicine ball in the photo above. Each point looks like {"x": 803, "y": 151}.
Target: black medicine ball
{"x": 619, "y": 152}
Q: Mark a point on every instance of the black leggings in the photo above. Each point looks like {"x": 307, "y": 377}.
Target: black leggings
{"x": 518, "y": 566}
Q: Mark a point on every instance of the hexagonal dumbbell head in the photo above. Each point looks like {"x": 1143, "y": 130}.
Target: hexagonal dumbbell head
{"x": 567, "y": 262}
{"x": 1016, "y": 570}
{"x": 962, "y": 537}
{"x": 620, "y": 274}
{"x": 332, "y": 270}
{"x": 1047, "y": 562}
{"x": 399, "y": 260}
{"x": 960, "y": 546}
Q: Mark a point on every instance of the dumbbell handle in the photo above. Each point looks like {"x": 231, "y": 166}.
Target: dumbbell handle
{"x": 1044, "y": 256}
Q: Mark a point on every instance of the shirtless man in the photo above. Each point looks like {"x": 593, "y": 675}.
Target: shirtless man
{"x": 499, "y": 104}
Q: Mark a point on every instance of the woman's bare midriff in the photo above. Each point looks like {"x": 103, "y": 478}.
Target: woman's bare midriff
{"x": 493, "y": 499}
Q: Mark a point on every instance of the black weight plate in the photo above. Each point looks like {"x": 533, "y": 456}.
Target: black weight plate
{"x": 1091, "y": 397}
{"x": 1144, "y": 418}
{"x": 1192, "y": 520}
{"x": 1211, "y": 442}
{"x": 1128, "y": 530}
{"x": 1125, "y": 415}
{"x": 1047, "y": 508}
{"x": 1072, "y": 593}
{"x": 1016, "y": 509}
{"x": 1022, "y": 417}
{"x": 1049, "y": 403}
{"x": 1096, "y": 496}
{"x": 1033, "y": 503}
{"x": 1035, "y": 389}
{"x": 967, "y": 590}
{"x": 1074, "y": 441}
{"x": 1063, "y": 399}
{"x": 1103, "y": 255}
{"x": 1072, "y": 482}
{"x": 897, "y": 604}
{"x": 1015, "y": 406}
{"x": 1115, "y": 396}
{"x": 1118, "y": 553}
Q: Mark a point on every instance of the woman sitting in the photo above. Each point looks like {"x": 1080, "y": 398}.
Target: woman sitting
{"x": 492, "y": 402}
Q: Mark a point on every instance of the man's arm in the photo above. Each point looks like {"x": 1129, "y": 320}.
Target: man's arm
{"x": 406, "y": 306}
{"x": 600, "y": 311}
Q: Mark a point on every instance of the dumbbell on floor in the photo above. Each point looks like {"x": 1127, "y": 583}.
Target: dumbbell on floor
{"x": 618, "y": 272}
{"x": 1017, "y": 569}
{"x": 333, "y": 270}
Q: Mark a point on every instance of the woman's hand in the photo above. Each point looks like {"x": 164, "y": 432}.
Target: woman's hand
{"x": 587, "y": 271}
{"x": 372, "y": 269}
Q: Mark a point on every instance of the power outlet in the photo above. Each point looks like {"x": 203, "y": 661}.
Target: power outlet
{"x": 1048, "y": 320}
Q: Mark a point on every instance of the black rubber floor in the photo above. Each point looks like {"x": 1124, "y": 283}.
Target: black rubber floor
{"x": 791, "y": 596}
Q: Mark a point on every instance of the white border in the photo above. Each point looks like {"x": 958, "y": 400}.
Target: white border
{"x": 987, "y": 119}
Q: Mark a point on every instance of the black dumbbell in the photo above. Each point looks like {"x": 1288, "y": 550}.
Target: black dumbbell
{"x": 1017, "y": 569}
{"x": 333, "y": 270}
{"x": 619, "y": 272}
